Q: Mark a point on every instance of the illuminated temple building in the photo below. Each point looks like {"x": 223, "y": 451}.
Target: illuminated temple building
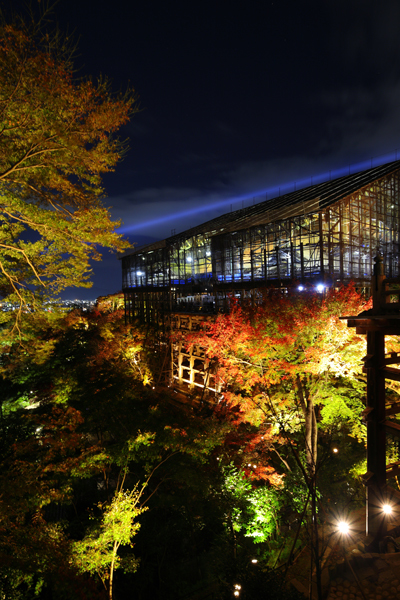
{"x": 320, "y": 236}
{"x": 325, "y": 234}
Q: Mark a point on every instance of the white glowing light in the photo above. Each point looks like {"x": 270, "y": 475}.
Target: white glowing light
{"x": 139, "y": 273}
{"x": 335, "y": 450}
{"x": 320, "y": 287}
{"x": 387, "y": 509}
{"x": 254, "y": 560}
{"x": 189, "y": 259}
{"x": 343, "y": 527}
{"x": 300, "y": 288}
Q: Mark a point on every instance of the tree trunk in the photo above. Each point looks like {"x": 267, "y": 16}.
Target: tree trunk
{"x": 311, "y": 431}
{"x": 111, "y": 579}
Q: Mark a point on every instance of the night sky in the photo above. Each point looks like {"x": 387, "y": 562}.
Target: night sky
{"x": 237, "y": 99}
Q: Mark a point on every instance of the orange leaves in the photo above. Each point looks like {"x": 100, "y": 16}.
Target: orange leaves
{"x": 263, "y": 348}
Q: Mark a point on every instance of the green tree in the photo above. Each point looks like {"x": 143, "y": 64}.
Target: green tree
{"x": 94, "y": 431}
{"x": 57, "y": 139}
{"x": 97, "y": 552}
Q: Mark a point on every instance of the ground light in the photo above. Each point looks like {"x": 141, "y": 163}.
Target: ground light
{"x": 237, "y": 589}
{"x": 343, "y": 527}
{"x": 387, "y": 509}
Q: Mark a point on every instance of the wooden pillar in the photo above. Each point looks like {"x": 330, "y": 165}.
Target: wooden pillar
{"x": 278, "y": 270}
{"x": 302, "y": 261}
{"x": 376, "y": 435}
{"x": 321, "y": 245}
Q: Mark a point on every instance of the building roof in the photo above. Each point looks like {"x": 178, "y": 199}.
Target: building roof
{"x": 307, "y": 200}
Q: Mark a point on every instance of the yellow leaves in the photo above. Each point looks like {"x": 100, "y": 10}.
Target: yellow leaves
{"x": 55, "y": 147}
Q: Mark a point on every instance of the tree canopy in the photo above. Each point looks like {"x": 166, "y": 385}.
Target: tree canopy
{"x": 58, "y": 136}
{"x": 287, "y": 361}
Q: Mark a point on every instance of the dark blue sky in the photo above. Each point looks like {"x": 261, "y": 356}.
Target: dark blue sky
{"x": 236, "y": 98}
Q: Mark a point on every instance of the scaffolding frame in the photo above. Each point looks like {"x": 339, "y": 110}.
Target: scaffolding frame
{"x": 326, "y": 233}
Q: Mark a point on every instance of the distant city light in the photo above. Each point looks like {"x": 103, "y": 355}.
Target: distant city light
{"x": 139, "y": 273}
{"x": 189, "y": 259}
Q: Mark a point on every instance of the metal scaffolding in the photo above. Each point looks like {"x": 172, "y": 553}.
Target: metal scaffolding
{"x": 324, "y": 233}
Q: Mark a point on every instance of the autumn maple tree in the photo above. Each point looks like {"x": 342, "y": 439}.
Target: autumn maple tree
{"x": 289, "y": 360}
{"x": 58, "y": 137}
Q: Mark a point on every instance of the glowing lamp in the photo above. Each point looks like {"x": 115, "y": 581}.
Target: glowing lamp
{"x": 300, "y": 288}
{"x": 320, "y": 287}
{"x": 387, "y": 509}
{"x": 343, "y": 527}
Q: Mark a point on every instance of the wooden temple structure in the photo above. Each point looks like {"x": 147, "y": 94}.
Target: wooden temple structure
{"x": 325, "y": 234}
{"x": 320, "y": 236}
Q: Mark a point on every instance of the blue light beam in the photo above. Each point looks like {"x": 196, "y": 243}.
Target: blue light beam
{"x": 269, "y": 193}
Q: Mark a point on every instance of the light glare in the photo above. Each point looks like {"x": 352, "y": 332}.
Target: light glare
{"x": 343, "y": 527}
{"x": 387, "y": 509}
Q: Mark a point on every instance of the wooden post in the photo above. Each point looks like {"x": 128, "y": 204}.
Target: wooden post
{"x": 376, "y": 435}
{"x": 382, "y": 319}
